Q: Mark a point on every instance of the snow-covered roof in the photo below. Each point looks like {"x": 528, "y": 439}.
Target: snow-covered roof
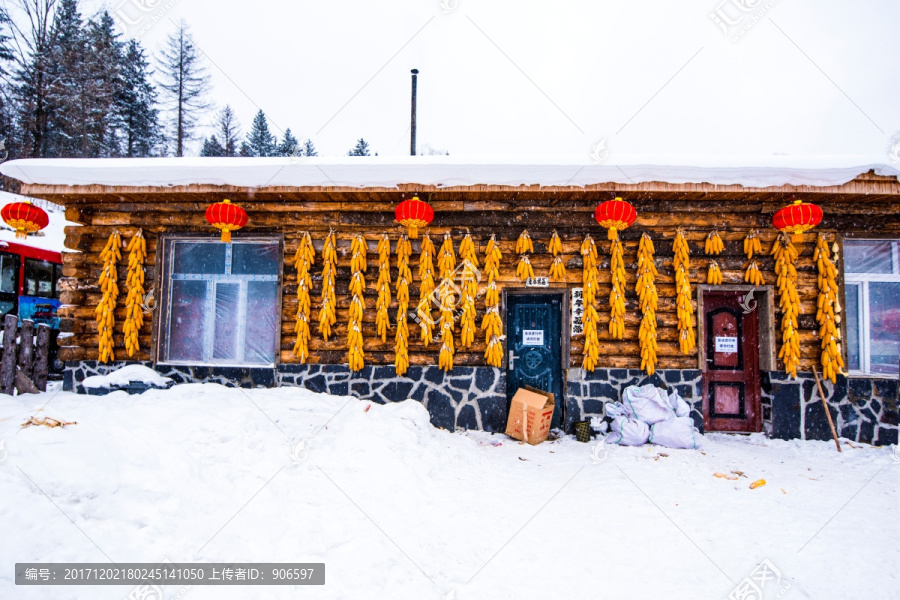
{"x": 446, "y": 171}
{"x": 50, "y": 238}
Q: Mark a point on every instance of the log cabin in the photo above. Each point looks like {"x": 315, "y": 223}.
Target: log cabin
{"x": 735, "y": 324}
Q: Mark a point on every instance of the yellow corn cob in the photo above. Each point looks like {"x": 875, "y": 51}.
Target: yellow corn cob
{"x": 359, "y": 248}
{"x": 589, "y": 318}
{"x": 327, "y": 315}
{"x": 303, "y": 260}
{"x": 110, "y": 256}
{"x": 714, "y": 244}
{"x": 134, "y": 314}
{"x": 555, "y": 245}
{"x": 523, "y": 244}
{"x": 752, "y": 244}
{"x": 491, "y": 324}
{"x": 786, "y": 281}
{"x": 684, "y": 308}
{"x": 648, "y": 301}
{"x": 714, "y": 274}
{"x": 828, "y": 310}
{"x": 524, "y": 270}
{"x": 617, "y": 294}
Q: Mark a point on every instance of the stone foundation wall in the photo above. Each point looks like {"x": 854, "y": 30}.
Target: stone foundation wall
{"x": 864, "y": 410}
{"x": 464, "y": 398}
{"x": 587, "y": 393}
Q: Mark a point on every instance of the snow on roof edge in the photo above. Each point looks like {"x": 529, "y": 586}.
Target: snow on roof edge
{"x": 447, "y": 171}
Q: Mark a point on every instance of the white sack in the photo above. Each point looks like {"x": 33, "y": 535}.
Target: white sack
{"x": 647, "y": 403}
{"x": 628, "y": 432}
{"x": 681, "y": 408}
{"x": 616, "y": 409}
{"x": 677, "y": 432}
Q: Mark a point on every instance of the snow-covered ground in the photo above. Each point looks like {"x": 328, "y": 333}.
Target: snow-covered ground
{"x": 397, "y": 509}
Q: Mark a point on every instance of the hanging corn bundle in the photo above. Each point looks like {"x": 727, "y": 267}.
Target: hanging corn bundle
{"x": 426, "y": 289}
{"x": 827, "y": 314}
{"x": 446, "y": 258}
{"x": 327, "y": 316}
{"x": 714, "y": 244}
{"x": 524, "y": 269}
{"x": 448, "y": 300}
{"x": 753, "y": 274}
{"x": 648, "y": 300}
{"x": 785, "y": 258}
{"x": 492, "y": 258}
{"x": 752, "y": 245}
{"x": 355, "y": 355}
{"x": 491, "y": 324}
{"x": 590, "y": 318}
{"x": 303, "y": 260}
{"x": 617, "y": 294}
{"x": 714, "y": 274}
{"x": 469, "y": 285}
{"x": 134, "y": 313}
{"x": 105, "y": 311}
{"x": 404, "y": 275}
{"x": 382, "y": 320}
{"x": 682, "y": 266}
{"x": 557, "y": 268}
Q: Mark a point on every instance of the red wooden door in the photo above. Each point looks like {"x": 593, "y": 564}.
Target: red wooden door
{"x": 731, "y": 378}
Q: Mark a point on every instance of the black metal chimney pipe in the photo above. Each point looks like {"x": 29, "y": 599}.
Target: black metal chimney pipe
{"x": 412, "y": 124}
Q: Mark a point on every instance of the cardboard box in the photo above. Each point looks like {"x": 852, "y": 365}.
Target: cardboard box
{"x": 530, "y": 414}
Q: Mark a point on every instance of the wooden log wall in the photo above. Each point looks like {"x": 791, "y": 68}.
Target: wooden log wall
{"x": 571, "y": 218}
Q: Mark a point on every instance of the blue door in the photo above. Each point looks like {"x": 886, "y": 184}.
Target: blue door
{"x": 534, "y": 343}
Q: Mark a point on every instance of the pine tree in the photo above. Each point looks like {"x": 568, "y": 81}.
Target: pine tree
{"x": 260, "y": 139}
{"x": 361, "y": 148}
{"x": 86, "y": 60}
{"x": 289, "y": 145}
{"x": 32, "y": 78}
{"x": 309, "y": 149}
{"x": 104, "y": 82}
{"x": 212, "y": 147}
{"x": 7, "y": 117}
{"x": 245, "y": 150}
{"x": 67, "y": 96}
{"x": 138, "y": 119}
{"x": 6, "y": 48}
{"x": 230, "y": 130}
{"x": 184, "y": 83}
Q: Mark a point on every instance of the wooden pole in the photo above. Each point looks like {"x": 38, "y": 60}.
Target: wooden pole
{"x": 8, "y": 362}
{"x": 412, "y": 119}
{"x": 827, "y": 412}
{"x": 42, "y": 357}
{"x": 26, "y": 347}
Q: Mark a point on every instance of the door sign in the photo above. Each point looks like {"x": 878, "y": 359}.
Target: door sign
{"x": 532, "y": 337}
{"x": 727, "y": 345}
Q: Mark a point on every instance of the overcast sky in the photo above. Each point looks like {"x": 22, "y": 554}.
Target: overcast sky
{"x": 537, "y": 77}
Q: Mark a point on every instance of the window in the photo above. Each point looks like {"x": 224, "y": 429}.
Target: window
{"x": 222, "y": 302}
{"x": 9, "y": 273}
{"x": 872, "y": 285}
{"x": 40, "y": 278}
{"x": 9, "y": 283}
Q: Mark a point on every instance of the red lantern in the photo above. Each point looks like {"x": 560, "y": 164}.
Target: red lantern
{"x": 797, "y": 218}
{"x": 615, "y": 215}
{"x": 24, "y": 217}
{"x": 414, "y": 214}
{"x": 226, "y": 216}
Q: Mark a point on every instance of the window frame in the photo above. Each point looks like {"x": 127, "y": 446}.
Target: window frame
{"x": 163, "y": 284}
{"x": 53, "y": 279}
{"x": 862, "y": 280}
